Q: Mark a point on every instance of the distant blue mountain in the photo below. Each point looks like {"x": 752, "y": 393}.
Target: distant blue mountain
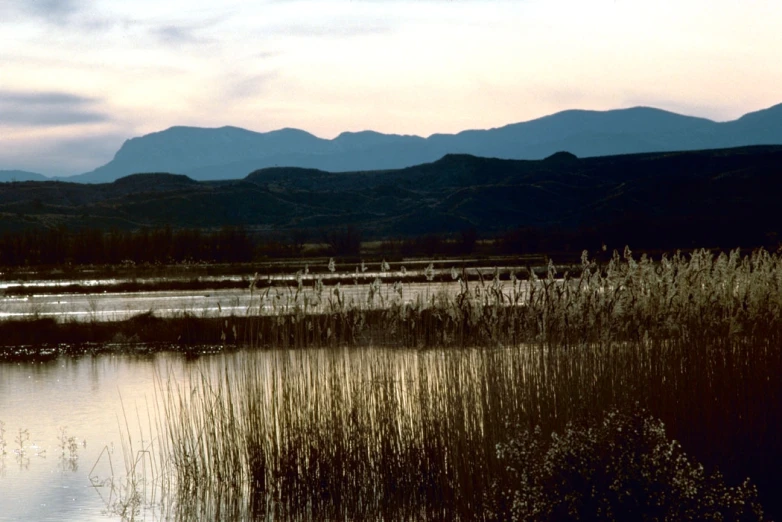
{"x": 20, "y": 175}
{"x": 232, "y": 153}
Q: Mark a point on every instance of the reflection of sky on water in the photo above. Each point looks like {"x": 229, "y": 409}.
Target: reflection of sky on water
{"x": 82, "y": 394}
{"x": 210, "y": 303}
{"x": 87, "y": 395}
{"x": 108, "y": 306}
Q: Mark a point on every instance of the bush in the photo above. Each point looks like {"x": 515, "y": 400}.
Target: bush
{"x": 624, "y": 468}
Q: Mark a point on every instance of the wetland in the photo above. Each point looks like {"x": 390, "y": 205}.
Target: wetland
{"x": 493, "y": 397}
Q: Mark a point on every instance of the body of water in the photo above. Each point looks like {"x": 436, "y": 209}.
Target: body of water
{"x": 64, "y": 431}
{"x": 213, "y": 303}
{"x": 75, "y": 429}
{"x": 71, "y": 426}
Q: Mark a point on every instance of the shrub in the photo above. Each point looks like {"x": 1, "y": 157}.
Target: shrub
{"x": 623, "y": 468}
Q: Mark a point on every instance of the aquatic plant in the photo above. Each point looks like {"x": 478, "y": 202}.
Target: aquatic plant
{"x": 69, "y": 450}
{"x": 3, "y": 443}
{"x": 21, "y": 439}
{"x": 138, "y": 483}
{"x": 624, "y": 300}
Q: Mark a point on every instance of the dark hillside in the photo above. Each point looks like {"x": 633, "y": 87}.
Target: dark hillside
{"x": 718, "y": 196}
{"x": 156, "y": 182}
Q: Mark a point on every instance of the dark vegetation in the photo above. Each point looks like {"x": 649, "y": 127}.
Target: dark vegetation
{"x": 716, "y": 198}
{"x": 61, "y": 246}
{"x": 46, "y": 338}
{"x": 128, "y": 286}
{"x": 623, "y": 466}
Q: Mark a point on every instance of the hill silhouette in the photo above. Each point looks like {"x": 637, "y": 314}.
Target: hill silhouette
{"x": 231, "y": 152}
{"x": 683, "y": 198}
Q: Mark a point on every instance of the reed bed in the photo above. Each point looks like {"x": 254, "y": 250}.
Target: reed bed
{"x": 693, "y": 299}
{"x": 389, "y": 408}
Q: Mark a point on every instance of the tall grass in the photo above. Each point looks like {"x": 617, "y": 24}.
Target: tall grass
{"x": 343, "y": 432}
{"x": 321, "y": 427}
{"x": 692, "y": 299}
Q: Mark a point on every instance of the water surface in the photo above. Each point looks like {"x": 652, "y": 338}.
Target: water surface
{"x": 211, "y": 303}
{"x": 47, "y": 475}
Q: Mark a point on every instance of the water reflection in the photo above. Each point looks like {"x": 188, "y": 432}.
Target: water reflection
{"x": 214, "y": 303}
{"x": 56, "y": 420}
{"x": 81, "y": 439}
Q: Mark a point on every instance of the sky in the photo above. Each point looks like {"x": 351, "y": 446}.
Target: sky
{"x": 79, "y": 77}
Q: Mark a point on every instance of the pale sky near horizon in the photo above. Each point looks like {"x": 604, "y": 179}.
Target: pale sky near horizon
{"x": 78, "y": 77}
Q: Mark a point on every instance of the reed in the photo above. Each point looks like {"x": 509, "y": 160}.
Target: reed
{"x": 341, "y": 432}
{"x": 374, "y": 405}
{"x": 700, "y": 299}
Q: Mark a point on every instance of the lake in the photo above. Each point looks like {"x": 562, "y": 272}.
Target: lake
{"x": 68, "y": 423}
{"x": 45, "y": 475}
{"x": 63, "y": 422}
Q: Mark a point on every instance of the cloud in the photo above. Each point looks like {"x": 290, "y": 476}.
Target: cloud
{"x": 171, "y": 34}
{"x": 250, "y": 85}
{"x": 58, "y": 12}
{"x": 62, "y": 13}
{"x": 42, "y": 98}
{"x": 178, "y": 33}
{"x": 47, "y": 109}
{"x": 335, "y": 28}
{"x": 67, "y": 15}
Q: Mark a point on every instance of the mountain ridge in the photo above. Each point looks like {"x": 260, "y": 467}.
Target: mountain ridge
{"x": 230, "y": 152}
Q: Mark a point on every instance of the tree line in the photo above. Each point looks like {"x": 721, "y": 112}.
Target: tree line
{"x": 61, "y": 246}
{"x": 234, "y": 244}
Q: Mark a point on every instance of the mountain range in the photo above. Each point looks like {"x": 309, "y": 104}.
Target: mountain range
{"x": 232, "y": 153}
